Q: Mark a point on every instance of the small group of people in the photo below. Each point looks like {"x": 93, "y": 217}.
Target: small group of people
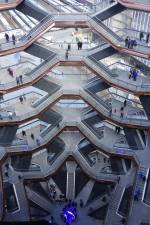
{"x": 141, "y": 36}
{"x": 79, "y": 45}
{"x": 130, "y": 43}
{"x": 8, "y": 38}
{"x": 121, "y": 113}
{"x": 32, "y": 137}
{"x": 105, "y": 160}
{"x": 19, "y": 80}
{"x": 122, "y": 108}
{"x": 133, "y": 73}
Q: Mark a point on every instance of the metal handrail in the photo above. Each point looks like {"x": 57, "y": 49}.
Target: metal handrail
{"x": 125, "y": 67}
{"x": 92, "y": 6}
{"x": 106, "y": 113}
{"x": 31, "y": 33}
{"x": 114, "y": 76}
{"x": 93, "y": 130}
{"x": 124, "y": 35}
{"x": 41, "y": 100}
{"x": 101, "y": 65}
{"x": 18, "y": 64}
{"x": 52, "y": 160}
{"x": 32, "y": 74}
{"x": 49, "y": 128}
{"x": 118, "y": 146}
{"x": 37, "y": 168}
{"x": 34, "y": 29}
{"x": 120, "y": 96}
{"x": 102, "y": 102}
{"x": 87, "y": 158}
{"x": 20, "y": 142}
{"x": 106, "y": 28}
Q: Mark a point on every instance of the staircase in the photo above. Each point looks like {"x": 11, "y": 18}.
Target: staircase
{"x": 70, "y": 186}
{"x": 139, "y": 182}
{"x": 113, "y": 206}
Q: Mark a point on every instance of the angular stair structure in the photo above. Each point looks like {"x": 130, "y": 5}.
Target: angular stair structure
{"x": 88, "y": 162}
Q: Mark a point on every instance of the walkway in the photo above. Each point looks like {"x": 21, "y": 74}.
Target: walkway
{"x": 135, "y": 218}
{"x": 9, "y": 4}
{"x": 143, "y": 5}
{"x": 131, "y": 115}
{"x": 23, "y": 212}
{"x": 51, "y": 132}
{"x": 17, "y": 69}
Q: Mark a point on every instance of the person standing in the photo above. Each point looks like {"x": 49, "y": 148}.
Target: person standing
{"x": 147, "y": 38}
{"x": 17, "y": 80}
{"x": 7, "y": 37}
{"x": 141, "y": 35}
{"x": 129, "y": 43}
{"x": 69, "y": 47}
{"x": 21, "y": 99}
{"x": 110, "y": 112}
{"x": 131, "y": 73}
{"x": 81, "y": 203}
{"x": 134, "y": 43}
{"x": 10, "y": 71}
{"x": 20, "y": 78}
{"x": 122, "y": 108}
{"x": 125, "y": 103}
{"x": 23, "y": 133}
{"x": 24, "y": 96}
{"x": 67, "y": 54}
{"x": 13, "y": 39}
{"x": 38, "y": 141}
{"x": 118, "y": 180}
{"x": 119, "y": 130}
{"x": 32, "y": 136}
{"x": 121, "y": 111}
{"x": 135, "y": 74}
{"x": 78, "y": 44}
{"x": 121, "y": 115}
{"x": 126, "y": 41}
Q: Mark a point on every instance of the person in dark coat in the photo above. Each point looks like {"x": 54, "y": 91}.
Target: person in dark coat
{"x": 147, "y": 38}
{"x": 7, "y": 37}
{"x": 13, "y": 39}
{"x": 141, "y": 35}
{"x": 126, "y": 41}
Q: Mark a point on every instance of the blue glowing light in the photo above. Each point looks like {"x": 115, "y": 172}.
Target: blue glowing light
{"x": 69, "y": 214}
